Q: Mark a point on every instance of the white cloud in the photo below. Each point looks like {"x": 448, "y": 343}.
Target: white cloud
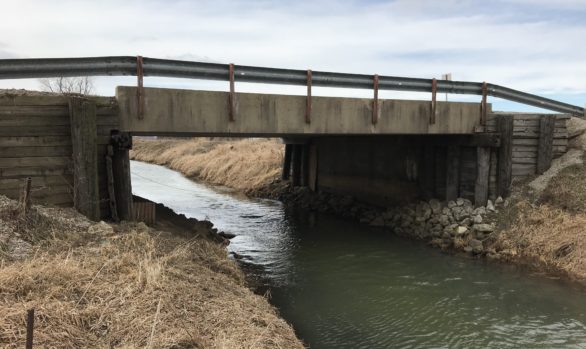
{"x": 509, "y": 42}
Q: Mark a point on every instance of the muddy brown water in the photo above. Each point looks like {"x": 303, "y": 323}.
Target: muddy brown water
{"x": 345, "y": 285}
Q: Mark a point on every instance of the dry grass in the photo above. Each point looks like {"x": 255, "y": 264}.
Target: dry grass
{"x": 248, "y": 165}
{"x": 567, "y": 190}
{"x": 131, "y": 287}
{"x": 548, "y": 236}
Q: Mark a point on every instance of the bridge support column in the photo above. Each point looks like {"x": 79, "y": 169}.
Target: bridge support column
{"x": 287, "y": 162}
{"x": 482, "y": 176}
{"x": 296, "y": 165}
{"x": 453, "y": 172}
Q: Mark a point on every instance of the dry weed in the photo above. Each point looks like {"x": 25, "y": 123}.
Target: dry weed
{"x": 132, "y": 288}
{"x": 248, "y": 165}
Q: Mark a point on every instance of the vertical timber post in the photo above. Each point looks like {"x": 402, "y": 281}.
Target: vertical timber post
{"x": 82, "y": 113}
{"x": 304, "y": 165}
{"x": 287, "y": 162}
{"x": 482, "y": 176}
{"x": 313, "y": 163}
{"x": 121, "y": 143}
{"x": 545, "y": 148}
{"x": 296, "y": 164}
{"x": 452, "y": 172}
{"x": 505, "y": 158}
{"x": 428, "y": 171}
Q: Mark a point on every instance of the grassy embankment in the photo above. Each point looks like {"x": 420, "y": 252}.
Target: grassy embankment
{"x": 251, "y": 166}
{"x": 125, "y": 286}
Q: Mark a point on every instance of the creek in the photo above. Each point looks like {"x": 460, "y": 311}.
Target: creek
{"x": 346, "y": 285}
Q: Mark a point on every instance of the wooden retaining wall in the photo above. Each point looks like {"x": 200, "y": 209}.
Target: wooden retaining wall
{"x": 35, "y": 141}
{"x": 525, "y": 144}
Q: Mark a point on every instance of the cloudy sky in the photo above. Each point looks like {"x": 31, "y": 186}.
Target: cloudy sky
{"x": 538, "y": 46}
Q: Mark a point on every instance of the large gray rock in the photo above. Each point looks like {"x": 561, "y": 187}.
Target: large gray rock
{"x": 460, "y": 202}
{"x": 435, "y": 205}
{"x": 477, "y": 219}
{"x": 490, "y": 206}
{"x": 484, "y": 228}
{"x": 461, "y": 230}
{"x": 479, "y": 210}
{"x": 452, "y": 204}
{"x": 444, "y": 220}
{"x": 476, "y": 246}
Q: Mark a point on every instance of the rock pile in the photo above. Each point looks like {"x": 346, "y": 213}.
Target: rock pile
{"x": 450, "y": 225}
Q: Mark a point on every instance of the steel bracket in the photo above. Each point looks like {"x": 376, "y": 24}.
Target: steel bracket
{"x": 433, "y": 101}
{"x": 232, "y": 95}
{"x": 140, "y": 87}
{"x": 375, "y": 100}
{"x": 308, "y": 100}
{"x": 121, "y": 140}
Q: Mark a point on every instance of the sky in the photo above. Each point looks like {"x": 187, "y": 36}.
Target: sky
{"x": 537, "y": 46}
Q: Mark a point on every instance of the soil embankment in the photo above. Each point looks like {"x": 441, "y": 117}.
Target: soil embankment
{"x": 126, "y": 285}
{"x": 251, "y": 166}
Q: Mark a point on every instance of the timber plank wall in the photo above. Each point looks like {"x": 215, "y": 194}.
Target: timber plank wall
{"x": 35, "y": 141}
{"x": 526, "y": 134}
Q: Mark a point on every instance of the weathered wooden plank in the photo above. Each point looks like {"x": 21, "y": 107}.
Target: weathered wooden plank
{"x": 482, "y": 176}
{"x": 26, "y": 131}
{"x": 47, "y": 181}
{"x": 39, "y": 192}
{"x": 505, "y": 129}
{"x": 21, "y": 172}
{"x": 41, "y": 141}
{"x": 524, "y": 169}
{"x": 313, "y": 167}
{"x": 452, "y": 172}
{"x": 524, "y": 161}
{"x": 49, "y": 162}
{"x": 85, "y": 157}
{"x": 535, "y": 141}
{"x": 286, "y": 171}
{"x": 545, "y": 150}
{"x": 110, "y": 186}
{"x": 17, "y": 152}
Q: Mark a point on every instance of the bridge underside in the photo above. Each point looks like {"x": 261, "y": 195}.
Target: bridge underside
{"x": 207, "y": 113}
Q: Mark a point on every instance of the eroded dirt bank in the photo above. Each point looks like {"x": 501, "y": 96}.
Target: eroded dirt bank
{"x": 126, "y": 285}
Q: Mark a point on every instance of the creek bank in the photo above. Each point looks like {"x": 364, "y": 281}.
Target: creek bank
{"x": 126, "y": 285}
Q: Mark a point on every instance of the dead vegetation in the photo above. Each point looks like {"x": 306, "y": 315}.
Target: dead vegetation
{"x": 126, "y": 286}
{"x": 547, "y": 227}
{"x": 248, "y": 165}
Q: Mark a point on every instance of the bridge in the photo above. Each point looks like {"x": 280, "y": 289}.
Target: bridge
{"x": 383, "y": 151}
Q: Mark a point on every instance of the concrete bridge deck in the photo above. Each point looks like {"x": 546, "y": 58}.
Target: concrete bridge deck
{"x": 207, "y": 113}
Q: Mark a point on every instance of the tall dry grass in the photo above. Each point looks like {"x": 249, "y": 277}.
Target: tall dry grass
{"x": 133, "y": 287}
{"x": 248, "y": 165}
{"x": 548, "y": 236}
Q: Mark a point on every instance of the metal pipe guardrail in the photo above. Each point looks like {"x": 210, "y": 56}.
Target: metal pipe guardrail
{"x": 128, "y": 65}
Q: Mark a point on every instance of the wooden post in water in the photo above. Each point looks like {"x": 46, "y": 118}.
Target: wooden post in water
{"x": 86, "y": 198}
{"x": 505, "y": 158}
{"x": 482, "y": 176}
{"x": 287, "y": 162}
{"x": 545, "y": 148}
{"x": 452, "y": 172}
